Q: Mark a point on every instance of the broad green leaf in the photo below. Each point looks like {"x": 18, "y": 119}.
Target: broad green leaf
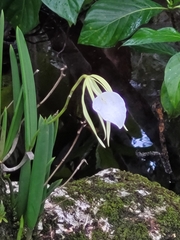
{"x": 105, "y": 158}
{"x": 168, "y": 107}
{"x": 22, "y": 13}
{"x": 172, "y": 81}
{"x": 159, "y": 48}
{"x": 147, "y": 36}
{"x": 87, "y": 4}
{"x": 108, "y": 22}
{"x": 67, "y": 9}
{"x": 29, "y": 91}
{"x": 1, "y": 52}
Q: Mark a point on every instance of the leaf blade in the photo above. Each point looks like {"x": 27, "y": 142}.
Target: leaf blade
{"x": 29, "y": 92}
{"x": 39, "y": 170}
{"x": 66, "y": 9}
{"x": 172, "y": 80}
{"x": 106, "y": 24}
{"x": 159, "y": 48}
{"x": 24, "y": 14}
{"x": 148, "y": 36}
{"x": 1, "y": 52}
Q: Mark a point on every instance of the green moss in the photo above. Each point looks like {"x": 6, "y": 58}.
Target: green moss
{"x": 76, "y": 236}
{"x": 169, "y": 222}
{"x": 130, "y": 231}
{"x": 112, "y": 209}
{"x": 98, "y": 234}
{"x": 122, "y": 213}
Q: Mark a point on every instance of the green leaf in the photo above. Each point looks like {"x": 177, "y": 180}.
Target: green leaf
{"x": 1, "y": 52}
{"x": 87, "y": 4}
{"x": 172, "y": 81}
{"x": 29, "y": 92}
{"x": 15, "y": 76}
{"x": 17, "y": 102}
{"x": 53, "y": 186}
{"x": 105, "y": 158}
{"x": 24, "y": 180}
{"x": 168, "y": 107}
{"x": 51, "y": 144}
{"x": 22, "y": 13}
{"x": 147, "y": 36}
{"x": 38, "y": 174}
{"x": 3, "y": 133}
{"x": 2, "y": 213}
{"x": 108, "y": 22}
{"x": 67, "y": 9}
{"x": 52, "y": 138}
{"x": 15, "y": 124}
{"x": 175, "y": 2}
{"x": 159, "y": 48}
{"x": 21, "y": 229}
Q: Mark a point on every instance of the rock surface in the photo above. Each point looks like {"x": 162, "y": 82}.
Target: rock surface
{"x": 111, "y": 205}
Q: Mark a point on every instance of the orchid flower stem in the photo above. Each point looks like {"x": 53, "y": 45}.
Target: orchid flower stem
{"x": 68, "y": 98}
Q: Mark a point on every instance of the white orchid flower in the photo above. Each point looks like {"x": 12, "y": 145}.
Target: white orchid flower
{"x": 109, "y": 106}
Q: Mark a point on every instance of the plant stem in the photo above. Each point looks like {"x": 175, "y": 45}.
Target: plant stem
{"x": 68, "y": 98}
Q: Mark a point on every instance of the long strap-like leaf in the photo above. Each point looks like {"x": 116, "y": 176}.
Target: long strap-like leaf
{"x": 29, "y": 92}
{"x": 1, "y": 52}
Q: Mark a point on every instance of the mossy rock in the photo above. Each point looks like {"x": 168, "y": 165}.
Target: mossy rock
{"x": 115, "y": 205}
